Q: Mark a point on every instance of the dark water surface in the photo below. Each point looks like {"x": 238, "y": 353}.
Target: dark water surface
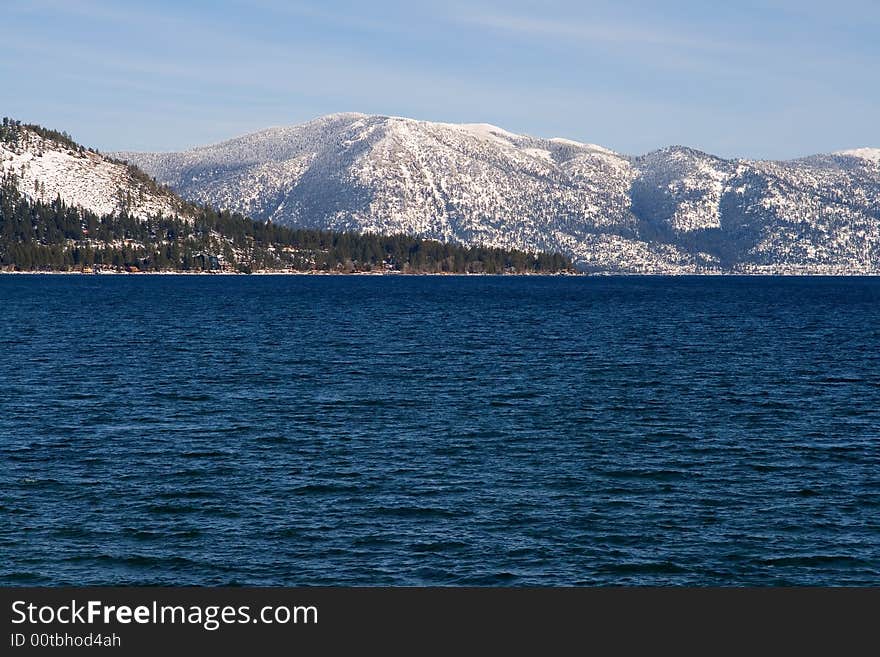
{"x": 480, "y": 430}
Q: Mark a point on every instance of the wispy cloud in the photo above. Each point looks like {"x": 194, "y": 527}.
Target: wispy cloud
{"x": 619, "y": 34}
{"x": 631, "y": 74}
{"x": 373, "y": 23}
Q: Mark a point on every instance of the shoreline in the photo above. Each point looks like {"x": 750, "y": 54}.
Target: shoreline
{"x": 273, "y": 273}
{"x": 614, "y": 274}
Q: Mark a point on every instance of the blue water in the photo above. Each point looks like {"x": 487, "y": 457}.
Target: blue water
{"x": 427, "y": 430}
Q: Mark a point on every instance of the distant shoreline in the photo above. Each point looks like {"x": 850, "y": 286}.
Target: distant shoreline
{"x": 615, "y": 274}
{"x": 282, "y": 273}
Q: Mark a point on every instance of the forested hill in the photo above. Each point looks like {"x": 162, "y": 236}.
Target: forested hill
{"x": 64, "y": 207}
{"x": 36, "y": 235}
{"x": 48, "y": 164}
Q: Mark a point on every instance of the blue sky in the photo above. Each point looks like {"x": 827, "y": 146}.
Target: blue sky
{"x": 777, "y": 78}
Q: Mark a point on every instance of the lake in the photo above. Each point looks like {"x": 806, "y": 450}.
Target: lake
{"x": 294, "y": 430}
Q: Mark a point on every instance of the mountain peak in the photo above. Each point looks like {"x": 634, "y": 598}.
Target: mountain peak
{"x": 870, "y": 154}
{"x": 679, "y": 151}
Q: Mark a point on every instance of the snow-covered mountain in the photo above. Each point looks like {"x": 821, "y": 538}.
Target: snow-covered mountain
{"x": 673, "y": 210}
{"x": 48, "y": 165}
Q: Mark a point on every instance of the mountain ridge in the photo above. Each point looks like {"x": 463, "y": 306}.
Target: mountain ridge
{"x": 674, "y": 210}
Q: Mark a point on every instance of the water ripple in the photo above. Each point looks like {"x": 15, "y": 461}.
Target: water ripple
{"x": 451, "y": 431}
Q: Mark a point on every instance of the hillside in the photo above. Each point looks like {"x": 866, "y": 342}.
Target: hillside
{"x": 675, "y": 210}
{"x": 48, "y": 164}
{"x": 64, "y": 207}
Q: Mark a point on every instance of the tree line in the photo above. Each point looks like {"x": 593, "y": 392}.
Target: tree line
{"x": 37, "y": 235}
{"x": 11, "y": 132}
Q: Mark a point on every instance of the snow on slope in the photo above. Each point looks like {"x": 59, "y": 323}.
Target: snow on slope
{"x": 47, "y": 169}
{"x": 673, "y": 210}
{"x": 870, "y": 154}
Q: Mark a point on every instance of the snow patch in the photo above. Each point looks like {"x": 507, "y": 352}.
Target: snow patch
{"x": 580, "y": 144}
{"x": 485, "y": 131}
{"x": 540, "y": 153}
{"x": 871, "y": 154}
